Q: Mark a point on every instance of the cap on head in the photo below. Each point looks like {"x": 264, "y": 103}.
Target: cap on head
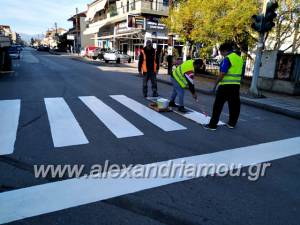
{"x": 198, "y": 62}
{"x": 226, "y": 47}
{"x": 148, "y": 43}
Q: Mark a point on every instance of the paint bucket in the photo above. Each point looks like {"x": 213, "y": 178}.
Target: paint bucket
{"x": 162, "y": 103}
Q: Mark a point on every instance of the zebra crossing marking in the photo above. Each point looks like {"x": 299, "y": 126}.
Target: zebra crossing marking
{"x": 65, "y": 129}
{"x": 193, "y": 115}
{"x": 9, "y": 121}
{"x": 46, "y": 198}
{"x": 153, "y": 117}
{"x": 117, "y": 124}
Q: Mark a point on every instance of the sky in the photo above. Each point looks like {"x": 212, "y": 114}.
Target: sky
{"x": 37, "y": 16}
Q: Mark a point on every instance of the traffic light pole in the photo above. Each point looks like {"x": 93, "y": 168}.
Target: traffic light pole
{"x": 260, "y": 46}
{"x": 262, "y": 23}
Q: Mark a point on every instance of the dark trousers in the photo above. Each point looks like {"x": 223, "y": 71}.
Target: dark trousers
{"x": 227, "y": 93}
{"x": 149, "y": 76}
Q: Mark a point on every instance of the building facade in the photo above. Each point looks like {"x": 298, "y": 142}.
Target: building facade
{"x": 126, "y": 25}
{"x": 76, "y": 32}
{"x": 52, "y": 36}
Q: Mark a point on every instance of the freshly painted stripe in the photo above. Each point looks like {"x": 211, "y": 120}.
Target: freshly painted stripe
{"x": 154, "y": 117}
{"x": 64, "y": 127}
{"x": 47, "y": 198}
{"x": 9, "y": 121}
{"x": 198, "y": 117}
{"x": 193, "y": 115}
{"x": 118, "y": 125}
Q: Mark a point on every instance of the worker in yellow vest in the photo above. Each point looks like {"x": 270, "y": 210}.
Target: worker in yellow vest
{"x": 228, "y": 87}
{"x": 182, "y": 78}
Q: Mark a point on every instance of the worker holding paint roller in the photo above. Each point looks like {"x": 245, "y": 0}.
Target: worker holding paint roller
{"x": 182, "y": 78}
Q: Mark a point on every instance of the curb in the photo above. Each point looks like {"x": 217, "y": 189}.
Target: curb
{"x": 54, "y": 53}
{"x": 244, "y": 100}
{"x": 250, "y": 102}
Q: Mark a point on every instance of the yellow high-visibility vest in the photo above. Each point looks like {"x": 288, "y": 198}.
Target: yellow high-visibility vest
{"x": 179, "y": 72}
{"x": 234, "y": 74}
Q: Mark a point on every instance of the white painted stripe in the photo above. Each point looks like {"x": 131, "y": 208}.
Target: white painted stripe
{"x": 9, "y": 121}
{"x": 154, "y": 117}
{"x": 118, "y": 125}
{"x": 46, "y": 198}
{"x": 198, "y": 117}
{"x": 195, "y": 116}
{"x": 64, "y": 127}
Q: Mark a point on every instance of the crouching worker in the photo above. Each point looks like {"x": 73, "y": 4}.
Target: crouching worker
{"x": 182, "y": 78}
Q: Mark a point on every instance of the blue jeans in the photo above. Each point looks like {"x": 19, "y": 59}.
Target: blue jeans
{"x": 177, "y": 90}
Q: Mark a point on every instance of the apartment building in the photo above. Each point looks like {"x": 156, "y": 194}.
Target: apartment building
{"x": 52, "y": 36}
{"x": 126, "y": 25}
{"x": 76, "y": 32}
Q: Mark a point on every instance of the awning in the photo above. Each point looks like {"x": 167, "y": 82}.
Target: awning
{"x": 93, "y": 9}
{"x": 103, "y": 37}
{"x": 128, "y": 33}
{"x": 91, "y": 30}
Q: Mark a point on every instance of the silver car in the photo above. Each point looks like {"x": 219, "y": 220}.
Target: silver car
{"x": 116, "y": 56}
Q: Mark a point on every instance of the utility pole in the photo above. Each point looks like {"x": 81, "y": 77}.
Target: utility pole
{"x": 77, "y": 31}
{"x": 170, "y": 45}
{"x": 55, "y": 25}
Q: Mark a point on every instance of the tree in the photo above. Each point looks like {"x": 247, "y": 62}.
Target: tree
{"x": 214, "y": 21}
{"x": 286, "y": 27}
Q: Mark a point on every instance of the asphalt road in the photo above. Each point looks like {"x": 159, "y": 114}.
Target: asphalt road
{"x": 273, "y": 199}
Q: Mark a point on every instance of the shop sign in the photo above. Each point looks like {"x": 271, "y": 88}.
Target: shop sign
{"x": 154, "y": 24}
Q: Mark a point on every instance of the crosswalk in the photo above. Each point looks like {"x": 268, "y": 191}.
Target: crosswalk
{"x": 66, "y": 130}
{"x": 55, "y": 196}
{"x": 9, "y": 120}
{"x": 117, "y": 124}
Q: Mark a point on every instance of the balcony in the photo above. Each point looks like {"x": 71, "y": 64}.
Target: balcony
{"x": 154, "y": 7}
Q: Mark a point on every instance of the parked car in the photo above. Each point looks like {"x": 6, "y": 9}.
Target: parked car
{"x": 92, "y": 52}
{"x": 19, "y": 47}
{"x": 82, "y": 52}
{"x": 116, "y": 56}
{"x": 43, "y": 48}
{"x": 102, "y": 52}
{"x": 14, "y": 53}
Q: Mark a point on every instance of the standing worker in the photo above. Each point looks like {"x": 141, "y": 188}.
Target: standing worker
{"x": 228, "y": 84}
{"x": 149, "y": 66}
{"x": 182, "y": 77}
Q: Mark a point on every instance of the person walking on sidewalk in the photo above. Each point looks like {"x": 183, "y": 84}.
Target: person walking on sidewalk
{"x": 228, "y": 88}
{"x": 148, "y": 67}
{"x": 182, "y": 77}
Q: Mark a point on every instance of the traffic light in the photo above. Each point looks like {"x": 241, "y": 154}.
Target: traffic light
{"x": 258, "y": 22}
{"x": 270, "y": 16}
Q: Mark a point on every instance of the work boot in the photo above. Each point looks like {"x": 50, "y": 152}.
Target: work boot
{"x": 229, "y": 126}
{"x": 209, "y": 127}
{"x": 155, "y": 94}
{"x": 182, "y": 109}
{"x": 172, "y": 104}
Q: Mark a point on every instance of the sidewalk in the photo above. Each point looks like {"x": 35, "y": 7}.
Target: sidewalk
{"x": 277, "y": 103}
